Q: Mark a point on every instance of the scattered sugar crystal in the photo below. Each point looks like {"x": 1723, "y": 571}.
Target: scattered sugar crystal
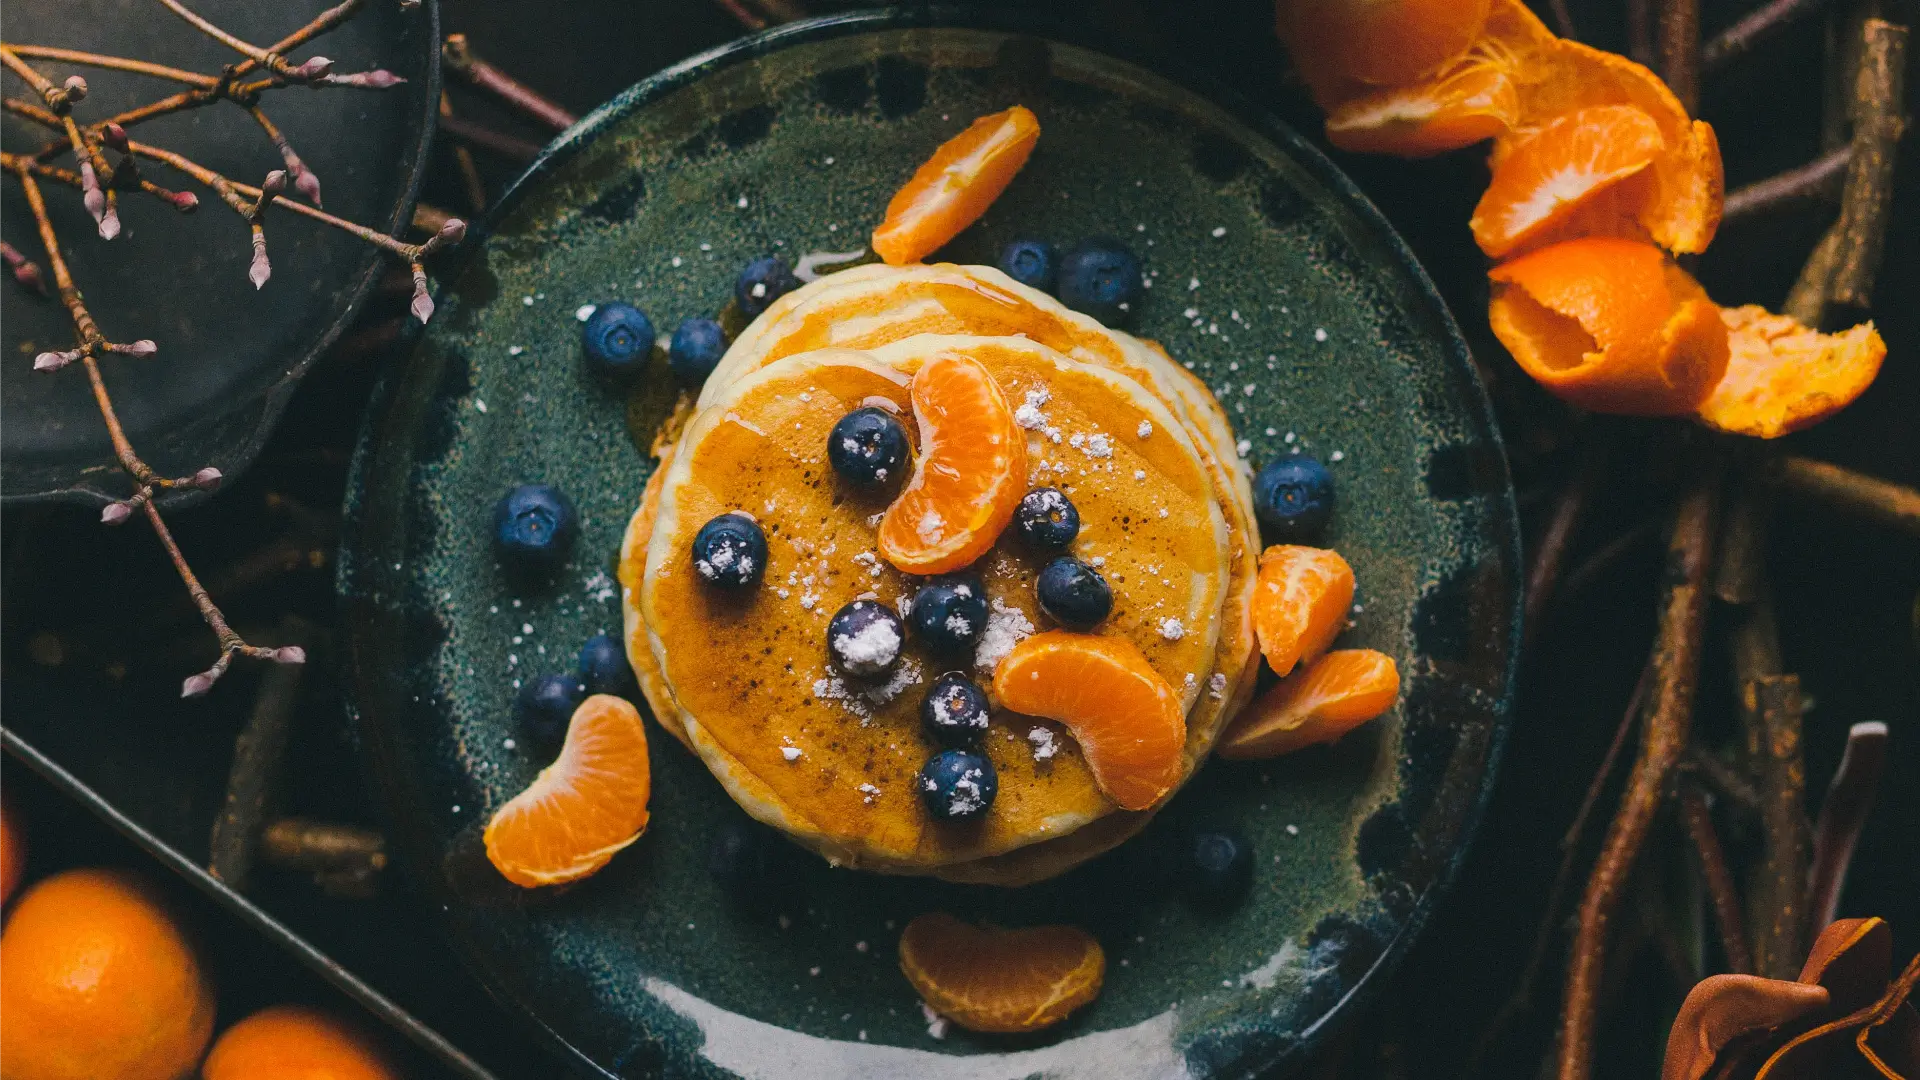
{"x": 1193, "y": 283}
{"x": 1217, "y": 684}
{"x": 1098, "y": 560}
{"x": 868, "y": 793}
{"x": 808, "y": 599}
{"x": 585, "y": 312}
{"x": 791, "y": 753}
{"x": 676, "y": 260}
{"x": 860, "y": 946}
{"x": 1337, "y": 456}
{"x": 930, "y": 525}
{"x": 1244, "y": 447}
{"x": 1319, "y": 333}
{"x": 1145, "y": 429}
{"x": 1172, "y": 629}
{"x": 1248, "y": 389}
{"x": 526, "y": 301}
{"x": 1289, "y": 436}
{"x": 936, "y": 1024}
{"x": 1006, "y": 627}
{"x": 1028, "y": 415}
{"x": 1293, "y": 830}
{"x": 786, "y": 923}
{"x": 1163, "y": 511}
{"x": 1044, "y": 745}
{"x": 742, "y": 204}
{"x": 1190, "y": 313}
{"x": 479, "y": 404}
{"x": 875, "y": 646}
{"x": 516, "y": 350}
{"x": 1098, "y": 446}
{"x": 706, "y": 247}
{"x": 1219, "y": 231}
{"x": 815, "y": 970}
{"x": 1139, "y": 474}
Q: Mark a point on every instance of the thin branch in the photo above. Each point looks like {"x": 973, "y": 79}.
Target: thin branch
{"x": 1843, "y": 813}
{"x": 116, "y": 63}
{"x": 1679, "y": 27}
{"x": 1736, "y": 40}
{"x": 485, "y": 138}
{"x": 1726, "y": 781}
{"x": 1817, "y": 180}
{"x": 24, "y": 270}
{"x": 1853, "y": 492}
{"x": 475, "y": 190}
{"x": 1569, "y": 510}
{"x": 1593, "y": 566}
{"x": 1663, "y": 740}
{"x": 304, "y": 180}
{"x": 1697, "y": 818}
{"x": 460, "y": 60}
{"x": 1562, "y": 19}
{"x": 1640, "y": 32}
{"x": 1879, "y": 105}
{"x": 1772, "y": 705}
{"x": 254, "y": 53}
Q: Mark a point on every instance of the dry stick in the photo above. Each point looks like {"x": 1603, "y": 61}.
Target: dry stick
{"x": 786, "y": 11}
{"x": 1697, "y": 819}
{"x": 1842, "y": 815}
{"x": 319, "y": 846}
{"x": 1562, "y": 19}
{"x": 1726, "y": 781}
{"x": 255, "y": 772}
{"x": 1640, "y": 31}
{"x": 180, "y": 201}
{"x": 1843, "y": 265}
{"x": 1820, "y": 179}
{"x": 484, "y": 138}
{"x": 252, "y": 52}
{"x": 475, "y": 190}
{"x": 1680, "y": 50}
{"x": 1849, "y": 491}
{"x": 1663, "y": 739}
{"x": 741, "y": 15}
{"x": 116, "y": 63}
{"x": 1773, "y": 705}
{"x": 1603, "y": 559}
{"x": 1562, "y": 526}
{"x": 1740, "y": 565}
{"x": 1736, "y": 40}
{"x": 460, "y": 60}
{"x": 1522, "y": 997}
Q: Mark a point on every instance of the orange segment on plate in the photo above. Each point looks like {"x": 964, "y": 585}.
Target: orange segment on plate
{"x": 1125, "y": 717}
{"x": 986, "y": 978}
{"x": 1676, "y": 201}
{"x": 1300, "y": 603}
{"x": 1381, "y": 42}
{"x": 296, "y": 1042}
{"x": 1318, "y": 703}
{"x": 97, "y": 982}
{"x": 1782, "y": 376}
{"x": 583, "y": 808}
{"x": 1610, "y": 325}
{"x": 1470, "y": 100}
{"x": 956, "y": 185}
{"x": 970, "y": 474}
{"x": 1557, "y": 170}
{"x": 13, "y": 850}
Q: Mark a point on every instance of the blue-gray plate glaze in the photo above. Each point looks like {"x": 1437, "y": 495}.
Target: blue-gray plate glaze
{"x": 1271, "y": 276}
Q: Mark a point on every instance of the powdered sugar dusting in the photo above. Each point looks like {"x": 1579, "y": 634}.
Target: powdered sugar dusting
{"x": 1006, "y": 627}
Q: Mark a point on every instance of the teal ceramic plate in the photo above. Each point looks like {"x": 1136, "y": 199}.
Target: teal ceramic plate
{"x": 1271, "y": 275}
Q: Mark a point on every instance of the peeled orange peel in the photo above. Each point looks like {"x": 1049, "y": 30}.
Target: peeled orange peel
{"x": 582, "y": 809}
{"x": 1381, "y": 42}
{"x": 969, "y": 476}
{"x": 1610, "y": 325}
{"x": 1472, "y": 100}
{"x": 986, "y": 978}
{"x": 1318, "y": 703}
{"x": 1782, "y": 377}
{"x": 1553, "y": 174}
{"x": 956, "y": 185}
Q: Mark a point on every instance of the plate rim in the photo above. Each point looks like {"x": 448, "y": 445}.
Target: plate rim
{"x": 1303, "y": 153}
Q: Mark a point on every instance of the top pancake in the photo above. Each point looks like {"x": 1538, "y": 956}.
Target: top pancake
{"x": 748, "y": 676}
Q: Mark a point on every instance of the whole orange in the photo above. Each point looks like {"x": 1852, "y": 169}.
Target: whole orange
{"x": 97, "y": 982}
{"x": 13, "y": 850}
{"x": 294, "y": 1042}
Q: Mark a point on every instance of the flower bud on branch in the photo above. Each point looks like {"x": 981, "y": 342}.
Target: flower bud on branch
{"x": 142, "y": 348}
{"x": 377, "y": 79}
{"x": 422, "y": 306}
{"x": 24, "y": 270}
{"x": 54, "y": 361}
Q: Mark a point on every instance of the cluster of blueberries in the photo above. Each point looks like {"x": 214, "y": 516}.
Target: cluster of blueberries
{"x": 1098, "y": 277}
{"x": 948, "y": 614}
{"x": 618, "y": 337}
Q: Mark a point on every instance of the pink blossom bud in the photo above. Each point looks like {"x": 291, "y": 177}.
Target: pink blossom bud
{"x": 261, "y": 269}
{"x": 315, "y": 68}
{"x": 306, "y": 183}
{"x": 109, "y": 224}
{"x": 453, "y": 231}
{"x": 290, "y": 654}
{"x": 207, "y": 478}
{"x": 422, "y": 302}
{"x": 91, "y": 196}
{"x": 76, "y": 88}
{"x": 54, "y": 361}
{"x": 115, "y": 136}
{"x": 184, "y": 201}
{"x": 29, "y": 275}
{"x": 197, "y": 685}
{"x": 114, "y": 513}
{"x": 377, "y": 79}
{"x": 143, "y": 347}
{"x": 275, "y": 183}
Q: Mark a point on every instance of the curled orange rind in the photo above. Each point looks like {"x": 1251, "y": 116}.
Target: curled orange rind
{"x": 1782, "y": 376}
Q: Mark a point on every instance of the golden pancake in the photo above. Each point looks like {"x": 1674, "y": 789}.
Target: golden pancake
{"x": 832, "y": 760}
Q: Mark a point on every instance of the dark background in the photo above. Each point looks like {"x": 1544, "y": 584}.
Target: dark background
{"x": 98, "y": 633}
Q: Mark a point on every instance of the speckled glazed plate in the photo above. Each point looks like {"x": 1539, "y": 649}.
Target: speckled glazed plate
{"x": 1272, "y": 276}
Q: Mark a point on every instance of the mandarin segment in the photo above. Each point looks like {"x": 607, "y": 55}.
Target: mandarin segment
{"x": 1561, "y": 168}
{"x": 582, "y": 809}
{"x": 1320, "y": 702}
{"x": 956, "y": 185}
{"x": 1610, "y": 325}
{"x": 97, "y": 982}
{"x": 1782, "y": 376}
{"x": 986, "y": 978}
{"x": 1471, "y": 100}
{"x": 296, "y": 1042}
{"x": 969, "y": 476}
{"x": 1126, "y": 718}
{"x": 1300, "y": 603}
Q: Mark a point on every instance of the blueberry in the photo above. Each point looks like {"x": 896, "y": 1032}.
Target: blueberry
{"x": 1218, "y": 868}
{"x": 744, "y": 860}
{"x": 955, "y": 710}
{"x": 730, "y": 551}
{"x": 603, "y": 667}
{"x": 696, "y": 349}
{"x": 1074, "y": 594}
{"x": 949, "y": 613}
{"x": 544, "y": 707}
{"x": 868, "y": 447}
{"x": 1294, "y": 498}
{"x": 958, "y": 785}
{"x": 619, "y": 342}
{"x": 533, "y": 527}
{"x": 864, "y": 638}
{"x": 1097, "y": 277}
{"x": 763, "y": 281}
{"x": 1029, "y": 262}
{"x": 1047, "y": 520}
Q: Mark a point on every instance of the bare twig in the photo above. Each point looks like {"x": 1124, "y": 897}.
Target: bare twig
{"x": 1879, "y": 105}
{"x": 1740, "y": 568}
{"x": 1663, "y": 740}
{"x": 1734, "y": 42}
{"x": 343, "y": 860}
{"x": 1725, "y": 780}
{"x": 257, "y": 757}
{"x": 1849, "y": 491}
{"x": 1773, "y": 707}
{"x": 116, "y": 63}
{"x": 748, "y": 19}
{"x": 511, "y": 147}
{"x": 1817, "y": 180}
{"x": 1569, "y": 509}
{"x": 1562, "y": 19}
{"x": 460, "y": 60}
{"x": 475, "y": 191}
{"x": 1697, "y": 818}
{"x": 1640, "y": 31}
{"x": 1603, "y": 559}
{"x": 303, "y": 178}
{"x": 1679, "y": 27}
{"x": 1842, "y": 815}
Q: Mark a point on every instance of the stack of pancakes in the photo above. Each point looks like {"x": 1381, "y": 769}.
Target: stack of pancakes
{"x": 744, "y": 679}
